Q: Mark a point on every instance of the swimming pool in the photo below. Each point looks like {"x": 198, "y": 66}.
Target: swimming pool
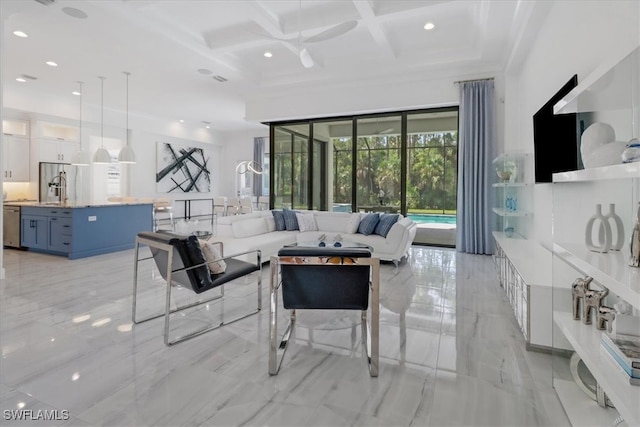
{"x": 433, "y": 218}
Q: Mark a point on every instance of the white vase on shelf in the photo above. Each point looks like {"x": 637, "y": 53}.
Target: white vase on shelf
{"x": 617, "y": 229}
{"x": 605, "y": 244}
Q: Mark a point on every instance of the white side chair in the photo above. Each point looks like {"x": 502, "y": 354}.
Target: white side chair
{"x": 263, "y": 203}
{"x": 220, "y": 206}
{"x": 233, "y": 206}
{"x": 163, "y": 206}
{"x": 246, "y": 205}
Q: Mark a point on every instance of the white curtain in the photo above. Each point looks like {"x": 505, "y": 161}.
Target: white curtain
{"x": 476, "y": 151}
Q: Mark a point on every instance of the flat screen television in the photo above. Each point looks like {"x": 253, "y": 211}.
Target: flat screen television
{"x": 555, "y": 138}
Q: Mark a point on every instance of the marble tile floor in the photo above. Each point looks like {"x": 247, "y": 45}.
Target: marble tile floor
{"x": 451, "y": 353}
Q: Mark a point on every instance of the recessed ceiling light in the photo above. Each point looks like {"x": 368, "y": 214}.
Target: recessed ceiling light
{"x": 268, "y": 54}
{"x": 20, "y": 34}
{"x": 74, "y": 13}
{"x": 76, "y": 93}
{"x": 205, "y": 71}
{"x": 21, "y": 80}
{"x": 181, "y": 121}
{"x": 52, "y": 64}
{"x": 429, "y": 26}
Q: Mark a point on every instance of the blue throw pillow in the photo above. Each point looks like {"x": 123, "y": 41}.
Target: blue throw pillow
{"x": 278, "y": 216}
{"x": 368, "y": 223}
{"x": 290, "y": 219}
{"x": 385, "y": 223}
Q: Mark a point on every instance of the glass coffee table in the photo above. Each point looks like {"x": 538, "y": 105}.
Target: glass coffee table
{"x": 331, "y": 244}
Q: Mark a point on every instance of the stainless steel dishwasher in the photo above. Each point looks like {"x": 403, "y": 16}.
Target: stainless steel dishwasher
{"x": 11, "y": 226}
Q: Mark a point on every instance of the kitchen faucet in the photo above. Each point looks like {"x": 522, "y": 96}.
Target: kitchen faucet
{"x": 60, "y": 187}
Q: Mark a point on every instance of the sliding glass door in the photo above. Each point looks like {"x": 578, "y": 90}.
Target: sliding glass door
{"x": 402, "y": 162}
{"x": 377, "y": 170}
{"x": 298, "y": 168}
{"x": 432, "y": 153}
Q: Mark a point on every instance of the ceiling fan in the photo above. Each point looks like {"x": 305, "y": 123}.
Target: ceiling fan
{"x": 300, "y": 40}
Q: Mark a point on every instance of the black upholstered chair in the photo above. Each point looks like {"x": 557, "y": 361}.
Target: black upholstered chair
{"x": 181, "y": 262}
{"x": 324, "y": 278}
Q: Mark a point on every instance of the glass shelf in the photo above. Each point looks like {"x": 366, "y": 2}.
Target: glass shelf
{"x": 504, "y": 212}
{"x": 509, "y": 184}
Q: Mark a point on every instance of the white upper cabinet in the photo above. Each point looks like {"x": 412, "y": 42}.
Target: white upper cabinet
{"x": 15, "y": 159}
{"x": 57, "y": 142}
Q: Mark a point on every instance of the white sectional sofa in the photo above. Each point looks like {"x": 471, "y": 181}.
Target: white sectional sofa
{"x": 257, "y": 230}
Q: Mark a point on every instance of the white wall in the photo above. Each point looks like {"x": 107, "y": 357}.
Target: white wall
{"x": 354, "y": 98}
{"x": 574, "y": 39}
{"x": 144, "y": 171}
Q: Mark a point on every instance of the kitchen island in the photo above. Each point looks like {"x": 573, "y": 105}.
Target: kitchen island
{"x": 80, "y": 230}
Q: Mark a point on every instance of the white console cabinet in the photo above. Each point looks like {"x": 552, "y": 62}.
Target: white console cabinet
{"x": 527, "y": 283}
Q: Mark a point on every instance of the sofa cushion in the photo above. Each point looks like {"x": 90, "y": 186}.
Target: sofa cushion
{"x": 368, "y": 223}
{"x": 354, "y": 222}
{"x": 385, "y": 223}
{"x": 278, "y": 216}
{"x": 271, "y": 224}
{"x": 332, "y": 221}
{"x": 290, "y": 220}
{"x": 212, "y": 253}
{"x": 306, "y": 221}
{"x": 249, "y": 227}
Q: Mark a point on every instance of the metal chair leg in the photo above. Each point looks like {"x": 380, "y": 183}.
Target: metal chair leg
{"x": 168, "y": 311}
{"x": 370, "y": 335}
{"x": 375, "y": 317}
{"x": 198, "y": 332}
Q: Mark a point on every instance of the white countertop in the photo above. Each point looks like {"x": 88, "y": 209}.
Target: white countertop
{"x": 72, "y": 205}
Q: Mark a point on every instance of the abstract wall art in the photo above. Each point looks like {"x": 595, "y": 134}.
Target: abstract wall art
{"x": 182, "y": 169}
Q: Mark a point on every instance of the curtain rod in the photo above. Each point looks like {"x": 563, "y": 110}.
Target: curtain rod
{"x": 473, "y": 80}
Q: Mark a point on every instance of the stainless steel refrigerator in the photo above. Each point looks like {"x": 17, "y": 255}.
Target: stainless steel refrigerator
{"x": 50, "y": 182}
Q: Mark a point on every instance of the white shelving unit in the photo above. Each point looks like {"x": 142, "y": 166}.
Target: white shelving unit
{"x": 580, "y": 411}
{"x": 611, "y": 91}
{"x": 574, "y": 196}
{"x": 609, "y": 87}
{"x": 586, "y": 342}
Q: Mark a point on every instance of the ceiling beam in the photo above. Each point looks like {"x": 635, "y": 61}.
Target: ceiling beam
{"x": 369, "y": 19}
{"x": 168, "y": 30}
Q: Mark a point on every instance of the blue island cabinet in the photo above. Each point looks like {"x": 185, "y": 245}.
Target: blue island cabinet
{"x": 33, "y": 231}
{"x": 84, "y": 231}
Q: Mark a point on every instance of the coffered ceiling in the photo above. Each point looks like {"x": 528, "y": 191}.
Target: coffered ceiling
{"x": 178, "y": 51}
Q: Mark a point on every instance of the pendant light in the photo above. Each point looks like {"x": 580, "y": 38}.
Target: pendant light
{"x": 80, "y": 157}
{"x": 126, "y": 154}
{"x": 101, "y": 156}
